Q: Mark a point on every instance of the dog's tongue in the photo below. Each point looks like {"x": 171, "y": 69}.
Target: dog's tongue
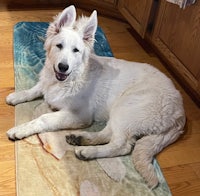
{"x": 61, "y": 76}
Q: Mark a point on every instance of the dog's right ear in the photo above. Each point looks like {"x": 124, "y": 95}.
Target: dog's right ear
{"x": 66, "y": 18}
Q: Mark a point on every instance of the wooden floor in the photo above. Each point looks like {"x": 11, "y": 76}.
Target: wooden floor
{"x": 180, "y": 162}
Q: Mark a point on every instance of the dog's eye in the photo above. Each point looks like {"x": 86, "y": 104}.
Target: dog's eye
{"x": 75, "y": 50}
{"x": 60, "y": 46}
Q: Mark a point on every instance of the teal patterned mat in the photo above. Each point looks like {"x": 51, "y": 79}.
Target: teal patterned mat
{"x": 29, "y": 58}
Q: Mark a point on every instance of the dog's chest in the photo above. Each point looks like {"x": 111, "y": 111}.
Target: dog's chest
{"x": 61, "y": 97}
{"x": 55, "y": 97}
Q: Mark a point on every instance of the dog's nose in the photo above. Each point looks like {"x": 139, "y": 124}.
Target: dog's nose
{"x": 63, "y": 67}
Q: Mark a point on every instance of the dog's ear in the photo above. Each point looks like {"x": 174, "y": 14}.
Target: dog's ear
{"x": 66, "y": 18}
{"x": 90, "y": 28}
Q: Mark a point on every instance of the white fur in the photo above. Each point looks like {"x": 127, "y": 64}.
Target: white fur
{"x": 135, "y": 99}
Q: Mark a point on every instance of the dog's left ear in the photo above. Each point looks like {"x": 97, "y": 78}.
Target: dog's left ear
{"x": 90, "y": 28}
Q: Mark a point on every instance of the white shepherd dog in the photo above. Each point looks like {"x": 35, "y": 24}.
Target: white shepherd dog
{"x": 140, "y": 104}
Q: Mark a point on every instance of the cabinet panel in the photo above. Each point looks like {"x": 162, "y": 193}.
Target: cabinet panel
{"x": 137, "y": 13}
{"x": 177, "y": 36}
{"x": 180, "y": 31}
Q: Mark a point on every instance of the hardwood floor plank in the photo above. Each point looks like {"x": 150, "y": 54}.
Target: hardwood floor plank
{"x": 178, "y": 157}
{"x": 7, "y": 152}
{"x": 186, "y": 188}
{"x": 182, "y": 172}
{"x": 7, "y": 180}
{"x": 196, "y": 168}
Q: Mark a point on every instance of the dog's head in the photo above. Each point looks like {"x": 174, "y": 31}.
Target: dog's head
{"x": 69, "y": 42}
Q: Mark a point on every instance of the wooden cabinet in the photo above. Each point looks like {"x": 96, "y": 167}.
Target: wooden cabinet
{"x": 137, "y": 13}
{"x": 177, "y": 37}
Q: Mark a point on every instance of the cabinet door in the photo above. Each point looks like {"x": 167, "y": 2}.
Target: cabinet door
{"x": 137, "y": 13}
{"x": 177, "y": 37}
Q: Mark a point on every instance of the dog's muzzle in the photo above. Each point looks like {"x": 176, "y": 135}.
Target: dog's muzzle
{"x": 61, "y": 75}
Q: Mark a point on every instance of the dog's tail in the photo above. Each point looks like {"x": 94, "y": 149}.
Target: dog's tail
{"x": 148, "y": 146}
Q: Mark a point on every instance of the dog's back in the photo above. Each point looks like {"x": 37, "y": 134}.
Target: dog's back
{"x": 113, "y": 78}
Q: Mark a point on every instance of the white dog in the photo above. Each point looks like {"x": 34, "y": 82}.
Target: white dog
{"x": 140, "y": 104}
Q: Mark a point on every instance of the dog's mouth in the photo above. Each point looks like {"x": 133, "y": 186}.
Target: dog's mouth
{"x": 61, "y": 76}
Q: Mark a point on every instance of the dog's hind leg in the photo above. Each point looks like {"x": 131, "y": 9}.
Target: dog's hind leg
{"x": 85, "y": 138}
{"x": 116, "y": 147}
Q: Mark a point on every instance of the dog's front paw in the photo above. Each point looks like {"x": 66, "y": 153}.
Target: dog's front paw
{"x": 12, "y": 99}
{"x": 19, "y": 132}
{"x": 12, "y": 133}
